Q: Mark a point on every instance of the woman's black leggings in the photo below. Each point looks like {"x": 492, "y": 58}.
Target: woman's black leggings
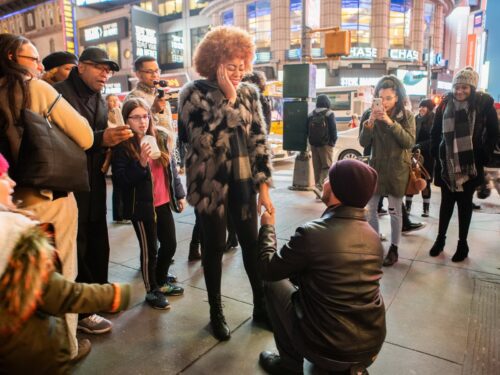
{"x": 464, "y": 202}
{"x": 213, "y": 229}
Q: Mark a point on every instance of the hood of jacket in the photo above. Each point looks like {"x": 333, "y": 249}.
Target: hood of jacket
{"x": 12, "y": 226}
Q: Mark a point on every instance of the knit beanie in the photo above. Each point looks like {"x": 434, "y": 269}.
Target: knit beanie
{"x": 4, "y": 165}
{"x": 59, "y": 58}
{"x": 353, "y": 182}
{"x": 427, "y": 103}
{"x": 466, "y": 76}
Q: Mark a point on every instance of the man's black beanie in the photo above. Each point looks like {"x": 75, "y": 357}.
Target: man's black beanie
{"x": 59, "y": 58}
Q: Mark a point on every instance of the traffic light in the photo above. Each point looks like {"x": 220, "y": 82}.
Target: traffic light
{"x": 338, "y": 43}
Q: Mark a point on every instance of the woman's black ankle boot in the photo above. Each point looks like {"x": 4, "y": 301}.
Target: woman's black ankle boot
{"x": 391, "y": 257}
{"x": 220, "y": 328}
{"x": 438, "y": 246}
{"x": 462, "y": 251}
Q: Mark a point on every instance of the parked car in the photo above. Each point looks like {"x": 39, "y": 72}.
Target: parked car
{"x": 347, "y": 146}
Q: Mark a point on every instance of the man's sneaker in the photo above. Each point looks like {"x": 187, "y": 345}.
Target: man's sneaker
{"x": 94, "y": 324}
{"x": 157, "y": 300}
{"x": 382, "y": 237}
{"x": 171, "y": 290}
{"x": 317, "y": 192}
{"x": 171, "y": 278}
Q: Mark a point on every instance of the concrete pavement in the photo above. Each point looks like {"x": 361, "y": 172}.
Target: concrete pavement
{"x": 442, "y": 317}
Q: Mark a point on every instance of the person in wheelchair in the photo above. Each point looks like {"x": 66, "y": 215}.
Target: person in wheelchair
{"x": 322, "y": 288}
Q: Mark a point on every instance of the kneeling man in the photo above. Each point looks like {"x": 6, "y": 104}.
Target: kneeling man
{"x": 322, "y": 288}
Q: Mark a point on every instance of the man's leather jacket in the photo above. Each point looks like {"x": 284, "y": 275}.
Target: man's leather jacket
{"x": 336, "y": 262}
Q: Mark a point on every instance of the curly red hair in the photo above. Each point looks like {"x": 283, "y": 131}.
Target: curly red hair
{"x": 221, "y": 44}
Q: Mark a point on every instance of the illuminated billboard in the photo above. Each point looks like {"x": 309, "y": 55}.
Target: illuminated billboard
{"x": 414, "y": 81}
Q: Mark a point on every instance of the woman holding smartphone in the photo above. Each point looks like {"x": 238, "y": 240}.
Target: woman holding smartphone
{"x": 151, "y": 188}
{"x": 390, "y": 131}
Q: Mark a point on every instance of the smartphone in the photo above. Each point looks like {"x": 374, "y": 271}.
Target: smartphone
{"x": 377, "y": 104}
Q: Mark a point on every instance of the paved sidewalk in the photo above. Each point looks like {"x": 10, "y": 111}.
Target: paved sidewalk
{"x": 428, "y": 301}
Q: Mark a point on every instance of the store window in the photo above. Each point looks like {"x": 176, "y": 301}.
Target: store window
{"x": 259, "y": 26}
{"x": 227, "y": 17}
{"x": 112, "y": 49}
{"x": 51, "y": 17}
{"x": 296, "y": 33}
{"x": 195, "y": 6}
{"x": 146, "y": 5}
{"x": 429, "y": 11}
{"x": 170, "y": 8}
{"x": 399, "y": 23}
{"x": 171, "y": 50}
{"x": 52, "y": 45}
{"x": 356, "y": 16}
{"x": 197, "y": 35}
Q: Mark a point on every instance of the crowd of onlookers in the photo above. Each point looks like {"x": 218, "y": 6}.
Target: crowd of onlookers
{"x": 320, "y": 300}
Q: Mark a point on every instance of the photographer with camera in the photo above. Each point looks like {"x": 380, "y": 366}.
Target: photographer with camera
{"x": 150, "y": 88}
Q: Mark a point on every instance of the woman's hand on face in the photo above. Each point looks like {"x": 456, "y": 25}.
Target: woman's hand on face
{"x": 145, "y": 153}
{"x": 225, "y": 84}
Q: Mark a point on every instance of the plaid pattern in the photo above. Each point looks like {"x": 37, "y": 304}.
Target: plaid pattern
{"x": 458, "y": 128}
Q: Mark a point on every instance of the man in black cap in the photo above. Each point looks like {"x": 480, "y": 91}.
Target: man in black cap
{"x": 57, "y": 66}
{"x": 322, "y": 288}
{"x": 82, "y": 90}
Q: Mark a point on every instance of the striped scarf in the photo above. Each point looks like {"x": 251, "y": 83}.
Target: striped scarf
{"x": 458, "y": 127}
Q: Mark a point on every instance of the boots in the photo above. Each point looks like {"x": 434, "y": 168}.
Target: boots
{"x": 462, "y": 251}
{"x": 391, "y": 257}
{"x": 194, "y": 251}
{"x": 408, "y": 203}
{"x": 425, "y": 213}
{"x": 438, "y": 246}
{"x": 220, "y": 328}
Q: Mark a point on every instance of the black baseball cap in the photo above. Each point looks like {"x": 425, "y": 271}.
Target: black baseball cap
{"x": 98, "y": 56}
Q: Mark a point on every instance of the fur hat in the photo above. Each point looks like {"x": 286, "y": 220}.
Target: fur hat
{"x": 59, "y": 58}
{"x": 466, "y": 76}
{"x": 353, "y": 182}
{"x": 427, "y": 103}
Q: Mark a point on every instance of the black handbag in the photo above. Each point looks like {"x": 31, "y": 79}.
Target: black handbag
{"x": 48, "y": 158}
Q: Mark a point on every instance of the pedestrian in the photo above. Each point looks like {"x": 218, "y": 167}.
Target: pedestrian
{"x": 35, "y": 295}
{"x": 322, "y": 135}
{"x": 354, "y": 121}
{"x": 57, "y": 66}
{"x": 151, "y": 189}
{"x": 463, "y": 137}
{"x": 423, "y": 125}
{"x": 228, "y": 161}
{"x": 20, "y": 89}
{"x": 389, "y": 129}
{"x": 258, "y": 78}
{"x": 323, "y": 289}
{"x": 83, "y": 90}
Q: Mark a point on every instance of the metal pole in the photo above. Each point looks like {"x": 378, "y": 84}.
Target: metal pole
{"x": 429, "y": 65}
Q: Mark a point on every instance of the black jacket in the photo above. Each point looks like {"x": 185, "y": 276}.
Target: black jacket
{"x": 136, "y": 183}
{"x": 484, "y": 137}
{"x": 336, "y": 261}
{"x": 423, "y": 125}
{"x": 91, "y": 105}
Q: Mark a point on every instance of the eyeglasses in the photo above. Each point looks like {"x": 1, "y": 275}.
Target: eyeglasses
{"x": 139, "y": 118}
{"x": 34, "y": 59}
{"x": 100, "y": 67}
{"x": 150, "y": 72}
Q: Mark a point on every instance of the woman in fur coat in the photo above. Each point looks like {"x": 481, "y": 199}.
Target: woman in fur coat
{"x": 228, "y": 162}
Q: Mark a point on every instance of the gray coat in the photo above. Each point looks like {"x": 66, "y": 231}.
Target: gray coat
{"x": 390, "y": 151}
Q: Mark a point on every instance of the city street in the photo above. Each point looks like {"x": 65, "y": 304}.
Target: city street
{"x": 442, "y": 317}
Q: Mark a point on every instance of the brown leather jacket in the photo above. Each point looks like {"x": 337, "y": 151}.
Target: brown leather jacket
{"x": 336, "y": 261}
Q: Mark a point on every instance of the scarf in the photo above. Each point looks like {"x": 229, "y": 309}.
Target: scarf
{"x": 458, "y": 127}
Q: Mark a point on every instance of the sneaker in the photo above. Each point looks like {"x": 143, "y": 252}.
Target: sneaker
{"x": 94, "y": 324}
{"x": 410, "y": 227}
{"x": 157, "y": 300}
{"x": 317, "y": 192}
{"x": 382, "y": 237}
{"x": 171, "y": 278}
{"x": 171, "y": 290}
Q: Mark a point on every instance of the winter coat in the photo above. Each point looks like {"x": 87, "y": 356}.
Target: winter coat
{"x": 91, "y": 105}
{"x": 423, "y": 125}
{"x": 33, "y": 333}
{"x": 336, "y": 262}
{"x": 136, "y": 182}
{"x": 218, "y": 135}
{"x": 390, "y": 151}
{"x": 484, "y": 137}
{"x": 330, "y": 120}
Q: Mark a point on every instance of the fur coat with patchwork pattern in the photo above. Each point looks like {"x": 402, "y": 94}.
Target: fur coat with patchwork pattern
{"x": 227, "y": 145}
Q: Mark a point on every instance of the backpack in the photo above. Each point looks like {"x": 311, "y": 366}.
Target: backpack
{"x": 318, "y": 129}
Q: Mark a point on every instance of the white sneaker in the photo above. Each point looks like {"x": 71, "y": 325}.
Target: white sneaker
{"x": 382, "y": 237}
{"x": 94, "y": 324}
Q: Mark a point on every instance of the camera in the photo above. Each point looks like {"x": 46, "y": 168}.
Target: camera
{"x": 162, "y": 83}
